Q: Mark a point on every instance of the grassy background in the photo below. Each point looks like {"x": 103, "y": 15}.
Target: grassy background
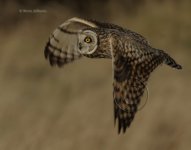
{"x": 44, "y": 108}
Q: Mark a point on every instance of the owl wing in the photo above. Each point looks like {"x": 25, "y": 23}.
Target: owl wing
{"x": 135, "y": 36}
{"x": 61, "y": 47}
{"x": 132, "y": 68}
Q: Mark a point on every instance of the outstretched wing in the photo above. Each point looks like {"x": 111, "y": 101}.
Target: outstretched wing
{"x": 135, "y": 36}
{"x": 132, "y": 68}
{"x": 61, "y": 47}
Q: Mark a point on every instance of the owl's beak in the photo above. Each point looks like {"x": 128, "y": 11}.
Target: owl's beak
{"x": 80, "y": 46}
{"x": 80, "y": 49}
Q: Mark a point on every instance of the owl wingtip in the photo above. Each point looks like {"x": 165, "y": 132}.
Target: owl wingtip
{"x": 122, "y": 129}
{"x": 179, "y": 67}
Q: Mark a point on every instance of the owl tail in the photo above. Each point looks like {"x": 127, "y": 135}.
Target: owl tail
{"x": 169, "y": 60}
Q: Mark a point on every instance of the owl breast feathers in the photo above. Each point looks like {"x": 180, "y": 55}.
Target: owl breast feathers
{"x": 133, "y": 59}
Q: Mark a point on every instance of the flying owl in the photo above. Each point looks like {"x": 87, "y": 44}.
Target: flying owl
{"x": 133, "y": 59}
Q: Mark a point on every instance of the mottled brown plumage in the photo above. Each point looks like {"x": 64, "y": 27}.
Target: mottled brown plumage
{"x": 133, "y": 59}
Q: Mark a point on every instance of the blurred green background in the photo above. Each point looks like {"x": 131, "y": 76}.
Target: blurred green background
{"x": 45, "y": 108}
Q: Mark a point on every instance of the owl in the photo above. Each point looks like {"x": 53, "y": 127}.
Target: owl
{"x": 133, "y": 59}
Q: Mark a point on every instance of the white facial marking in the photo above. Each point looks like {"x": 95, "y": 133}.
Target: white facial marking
{"x": 87, "y": 42}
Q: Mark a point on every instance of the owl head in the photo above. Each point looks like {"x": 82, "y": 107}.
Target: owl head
{"x": 87, "y": 42}
{"x": 93, "y": 43}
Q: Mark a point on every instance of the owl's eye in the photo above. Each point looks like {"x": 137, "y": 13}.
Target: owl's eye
{"x": 88, "y": 39}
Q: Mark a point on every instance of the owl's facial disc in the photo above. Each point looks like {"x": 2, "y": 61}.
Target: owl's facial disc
{"x": 87, "y": 42}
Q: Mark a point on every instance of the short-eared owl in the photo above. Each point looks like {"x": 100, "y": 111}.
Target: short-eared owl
{"x": 133, "y": 59}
